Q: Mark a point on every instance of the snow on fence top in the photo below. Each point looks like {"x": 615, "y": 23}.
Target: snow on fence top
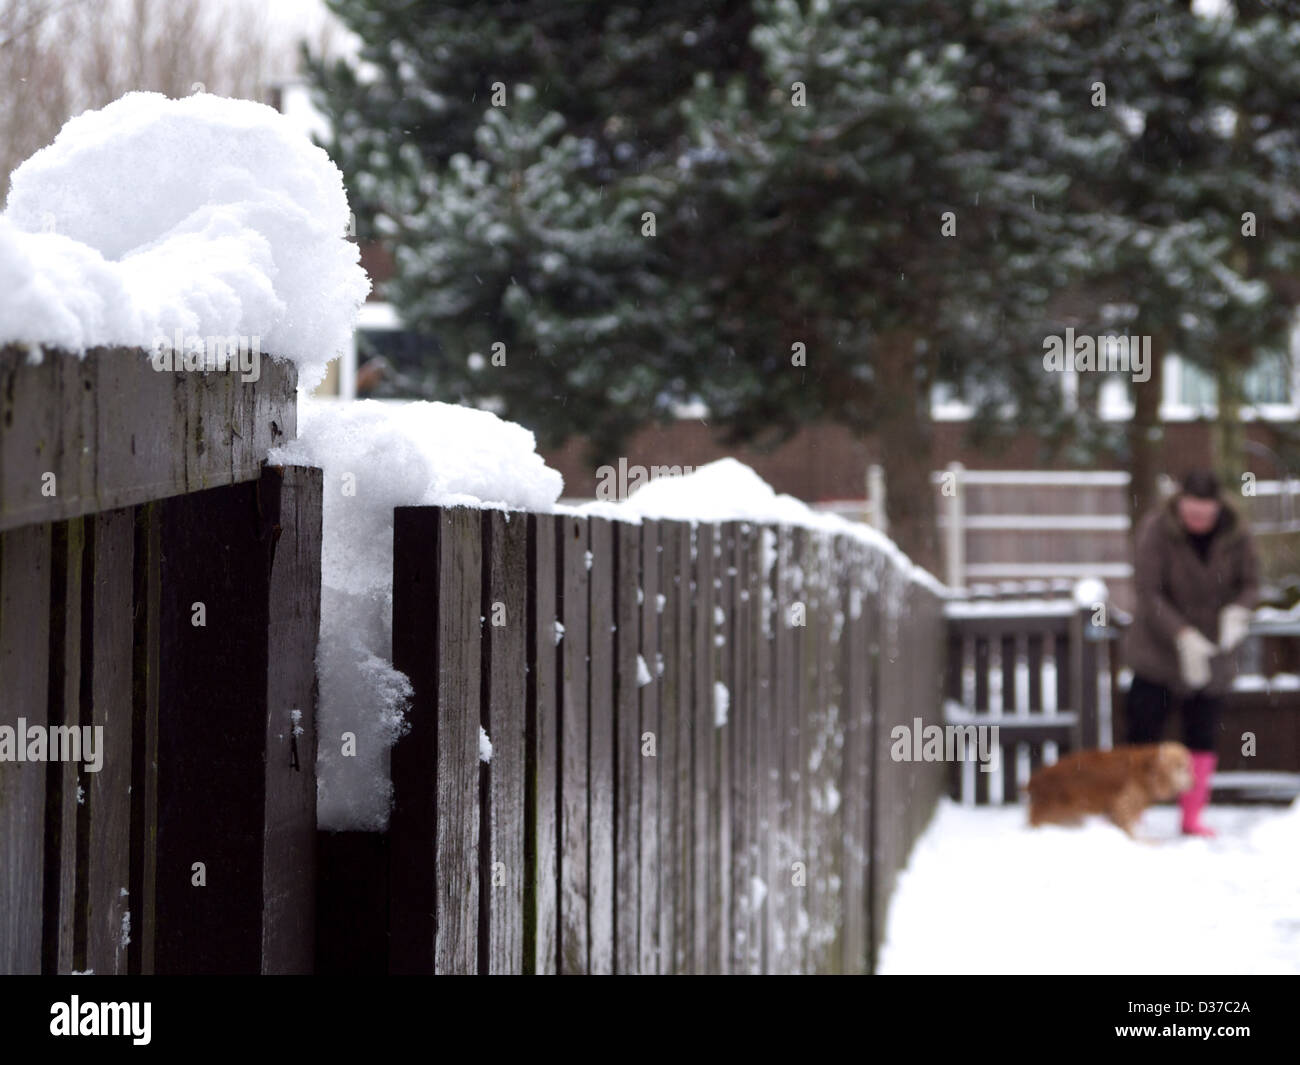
{"x": 378, "y": 456}
{"x": 203, "y": 217}
{"x": 728, "y": 490}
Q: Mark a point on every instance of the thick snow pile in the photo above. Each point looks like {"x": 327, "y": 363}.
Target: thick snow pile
{"x": 201, "y": 216}
{"x": 1090, "y": 900}
{"x": 728, "y": 490}
{"x": 377, "y": 456}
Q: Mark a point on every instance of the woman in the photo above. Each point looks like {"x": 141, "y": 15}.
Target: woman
{"x": 1196, "y": 579}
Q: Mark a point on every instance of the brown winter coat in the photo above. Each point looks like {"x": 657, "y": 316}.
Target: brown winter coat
{"x": 1175, "y": 588}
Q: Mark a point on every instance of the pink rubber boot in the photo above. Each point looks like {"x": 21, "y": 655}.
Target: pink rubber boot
{"x": 1193, "y": 800}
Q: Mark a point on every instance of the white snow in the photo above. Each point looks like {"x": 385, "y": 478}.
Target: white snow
{"x": 642, "y": 672}
{"x": 721, "y": 703}
{"x": 984, "y": 893}
{"x": 484, "y": 746}
{"x": 1089, "y": 591}
{"x": 201, "y": 216}
{"x": 728, "y": 490}
{"x": 377, "y": 456}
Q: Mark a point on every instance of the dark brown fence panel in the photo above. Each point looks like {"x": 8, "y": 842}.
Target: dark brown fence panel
{"x": 683, "y": 755}
{"x": 739, "y": 795}
{"x": 502, "y": 869}
{"x": 703, "y": 828}
{"x": 627, "y": 740}
{"x": 910, "y": 687}
{"x": 648, "y": 751}
{"x": 768, "y": 760}
{"x": 434, "y": 832}
{"x": 66, "y": 634}
{"x": 855, "y": 656}
{"x": 601, "y": 570}
{"x": 672, "y": 877}
{"x": 236, "y": 818}
{"x": 146, "y": 690}
{"x": 574, "y": 614}
{"x": 783, "y": 957}
{"x": 104, "y": 831}
{"x": 765, "y": 840}
{"x": 541, "y": 798}
{"x": 722, "y": 927}
{"x": 24, "y": 674}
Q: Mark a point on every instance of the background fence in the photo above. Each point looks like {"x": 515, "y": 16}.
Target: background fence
{"x": 1053, "y": 679}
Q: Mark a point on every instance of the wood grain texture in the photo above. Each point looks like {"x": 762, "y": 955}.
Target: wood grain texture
{"x": 116, "y": 433}
{"x": 291, "y": 499}
{"x": 683, "y": 757}
{"x": 24, "y": 675}
{"x": 627, "y": 736}
{"x": 459, "y": 608}
{"x": 67, "y": 633}
{"x": 541, "y": 830}
{"x": 505, "y": 646}
{"x": 601, "y": 697}
{"x": 648, "y": 698}
{"x": 573, "y": 610}
{"x": 105, "y": 828}
{"x": 215, "y": 551}
{"x": 703, "y": 824}
{"x": 670, "y": 681}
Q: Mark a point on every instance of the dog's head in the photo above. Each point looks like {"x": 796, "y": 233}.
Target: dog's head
{"x": 1170, "y": 771}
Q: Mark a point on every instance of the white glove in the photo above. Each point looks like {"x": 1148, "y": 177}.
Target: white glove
{"x": 1194, "y": 654}
{"x": 1234, "y": 626}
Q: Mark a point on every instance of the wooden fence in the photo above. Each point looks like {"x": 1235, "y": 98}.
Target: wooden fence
{"x": 157, "y": 582}
{"x": 1041, "y": 671}
{"x": 690, "y": 764}
{"x": 687, "y": 770}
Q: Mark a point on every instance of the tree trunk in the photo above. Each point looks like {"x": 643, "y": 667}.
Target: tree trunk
{"x": 1228, "y": 437}
{"x": 902, "y": 424}
{"x": 1146, "y": 437}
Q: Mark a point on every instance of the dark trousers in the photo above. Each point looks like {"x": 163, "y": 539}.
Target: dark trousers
{"x": 1147, "y": 708}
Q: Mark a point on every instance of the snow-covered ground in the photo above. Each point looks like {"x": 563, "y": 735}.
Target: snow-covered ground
{"x": 984, "y": 893}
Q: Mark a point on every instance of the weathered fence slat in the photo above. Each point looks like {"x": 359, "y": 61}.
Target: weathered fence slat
{"x": 502, "y": 862}
{"x": 703, "y": 832}
{"x": 648, "y": 694}
{"x": 628, "y": 768}
{"x": 541, "y": 797}
{"x": 601, "y": 571}
{"x": 670, "y": 681}
{"x": 434, "y": 833}
{"x": 660, "y": 834}
{"x": 104, "y": 838}
{"x": 24, "y": 673}
{"x": 66, "y": 661}
{"x": 574, "y": 607}
{"x": 236, "y": 816}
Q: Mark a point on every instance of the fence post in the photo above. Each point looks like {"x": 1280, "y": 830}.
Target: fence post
{"x": 1083, "y": 674}
{"x": 876, "y": 514}
{"x": 236, "y": 781}
{"x": 954, "y": 542}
